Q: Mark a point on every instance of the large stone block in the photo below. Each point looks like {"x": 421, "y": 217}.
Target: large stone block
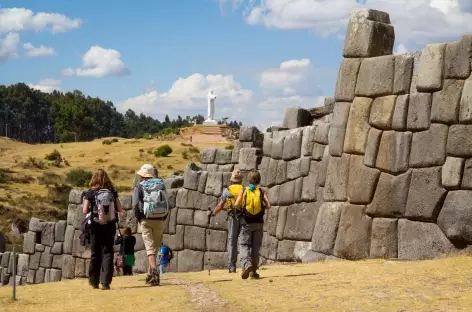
{"x": 390, "y": 196}
{"x": 68, "y": 267}
{"x": 457, "y": 58}
{"x": 308, "y": 140}
{"x": 192, "y": 177}
{"x": 60, "y": 231}
{"x": 455, "y": 218}
{"x": 47, "y": 233}
{"x": 74, "y": 215}
{"x": 171, "y": 182}
{"x": 34, "y": 261}
{"x": 207, "y": 156}
{"x": 430, "y": 74}
{"x": 293, "y": 169}
{"x": 287, "y": 193}
{"x": 394, "y": 151}
{"x": 421, "y": 241}
{"x": 80, "y": 268}
{"x": 200, "y": 218}
{"x": 39, "y": 248}
{"x": 176, "y": 242}
{"x": 249, "y": 158}
{"x": 223, "y": 156}
{"x": 219, "y": 221}
{"x": 419, "y": 112}
{"x": 35, "y": 224}
{"x": 376, "y": 76}
{"x": 300, "y": 222}
{"x": 346, "y": 81}
{"x": 273, "y": 195}
{"x": 381, "y": 113}
{"x": 326, "y": 227}
{"x": 68, "y": 240}
{"x": 416, "y": 69}
{"x": 467, "y": 176}
{"x": 248, "y": 134}
{"x": 452, "y": 172}
{"x": 215, "y": 240}
{"x": 384, "y": 239}
{"x": 318, "y": 151}
{"x": 465, "y": 107}
{"x": 322, "y": 133}
{"x": 285, "y": 251}
{"x": 172, "y": 197}
{"x": 269, "y": 247}
{"x": 296, "y": 117}
{"x": 372, "y": 147}
{"x": 368, "y": 34}
{"x": 30, "y": 277}
{"x": 215, "y": 260}
{"x": 357, "y": 126}
{"x": 278, "y": 147}
{"x": 5, "y": 259}
{"x": 337, "y": 178}
{"x": 353, "y": 239}
{"x": 29, "y": 242}
{"x": 75, "y": 197}
{"x": 267, "y": 145}
{"x": 270, "y": 220}
{"x": 126, "y": 200}
{"x": 57, "y": 249}
{"x": 185, "y": 216}
{"x": 309, "y": 187}
{"x": 194, "y": 238}
{"x": 428, "y": 148}
{"x": 459, "y": 141}
{"x": 141, "y": 263}
{"x": 202, "y": 182}
{"x": 337, "y": 130}
{"x": 426, "y": 194}
{"x": 400, "y": 114}
{"x": 39, "y": 277}
{"x": 403, "y": 73}
{"x": 292, "y": 146}
{"x": 361, "y": 186}
{"x": 23, "y": 265}
{"x": 46, "y": 258}
{"x": 281, "y": 175}
{"x": 214, "y": 185}
{"x": 54, "y": 276}
{"x": 190, "y": 261}
{"x": 57, "y": 262}
{"x": 281, "y": 220}
{"x": 323, "y": 168}
{"x": 445, "y": 108}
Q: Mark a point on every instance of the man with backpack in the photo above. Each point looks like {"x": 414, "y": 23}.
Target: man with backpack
{"x": 254, "y": 202}
{"x": 151, "y": 207}
{"x": 228, "y": 201}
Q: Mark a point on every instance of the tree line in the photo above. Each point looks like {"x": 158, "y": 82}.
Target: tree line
{"x": 32, "y": 116}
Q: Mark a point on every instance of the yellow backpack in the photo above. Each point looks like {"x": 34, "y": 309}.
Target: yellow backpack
{"x": 234, "y": 189}
{"x": 253, "y": 203}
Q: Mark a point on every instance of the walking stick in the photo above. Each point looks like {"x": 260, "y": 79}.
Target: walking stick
{"x": 209, "y": 257}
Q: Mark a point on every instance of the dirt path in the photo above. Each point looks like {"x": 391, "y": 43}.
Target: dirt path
{"x": 203, "y": 297}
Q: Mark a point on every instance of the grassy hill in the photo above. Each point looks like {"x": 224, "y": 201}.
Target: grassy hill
{"x": 31, "y": 185}
{"x": 372, "y": 285}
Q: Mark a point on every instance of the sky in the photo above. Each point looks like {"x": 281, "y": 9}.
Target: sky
{"x": 161, "y": 57}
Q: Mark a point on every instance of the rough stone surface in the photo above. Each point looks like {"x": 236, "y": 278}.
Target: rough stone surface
{"x": 194, "y": 238}
{"x": 322, "y": 133}
{"x": 34, "y": 261}
{"x": 269, "y": 247}
{"x": 452, "y": 172}
{"x": 300, "y": 221}
{"x": 190, "y": 260}
{"x": 459, "y": 141}
{"x": 376, "y": 76}
{"x": 278, "y": 147}
{"x": 419, "y": 112}
{"x": 416, "y": 68}
{"x": 285, "y": 250}
{"x": 185, "y": 216}
{"x": 57, "y": 262}
{"x": 214, "y": 185}
{"x": 421, "y": 241}
{"x": 223, "y": 156}
{"x": 56, "y": 249}
{"x": 249, "y": 158}
{"x": 69, "y": 239}
{"x": 467, "y": 177}
{"x": 326, "y": 227}
{"x": 318, "y": 151}
{"x": 296, "y": 117}
{"x": 218, "y": 260}
{"x": 428, "y": 148}
{"x": 353, "y": 239}
{"x": 400, "y": 113}
{"x": 394, "y": 151}
{"x": 403, "y": 73}
{"x": 287, "y": 191}
{"x": 192, "y": 177}
{"x": 308, "y": 140}
{"x": 426, "y": 194}
{"x": 29, "y": 242}
{"x": 362, "y": 185}
{"x": 455, "y": 218}
{"x": 457, "y": 58}
{"x": 76, "y": 196}
{"x": 215, "y": 240}
{"x": 337, "y": 131}
{"x": 60, "y": 231}
{"x": 74, "y": 215}
{"x": 39, "y": 278}
{"x": 358, "y": 126}
{"x": 381, "y": 113}
{"x": 372, "y": 147}
{"x": 390, "y": 196}
{"x": 431, "y": 69}
{"x": 384, "y": 239}
{"x": 337, "y": 178}
{"x": 68, "y": 267}
{"x": 207, "y": 156}
{"x": 446, "y": 103}
{"x": 46, "y": 258}
{"x": 465, "y": 107}
{"x": 347, "y": 78}
{"x": 22, "y": 265}
{"x": 80, "y": 268}
{"x": 292, "y": 146}
{"x": 323, "y": 168}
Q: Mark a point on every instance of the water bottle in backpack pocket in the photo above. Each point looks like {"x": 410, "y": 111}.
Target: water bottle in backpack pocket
{"x": 105, "y": 211}
{"x": 155, "y": 199}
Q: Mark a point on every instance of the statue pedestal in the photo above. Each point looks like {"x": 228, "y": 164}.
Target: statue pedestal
{"x": 210, "y": 122}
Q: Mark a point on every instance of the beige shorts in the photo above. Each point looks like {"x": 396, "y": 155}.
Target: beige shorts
{"x": 152, "y": 233}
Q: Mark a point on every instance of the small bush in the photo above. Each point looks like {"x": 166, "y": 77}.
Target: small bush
{"x": 163, "y": 151}
{"x": 159, "y": 165}
{"x": 114, "y": 140}
{"x": 81, "y": 155}
{"x": 100, "y": 160}
{"x": 186, "y": 144}
{"x": 141, "y": 150}
{"x": 107, "y": 142}
{"x": 170, "y": 167}
{"x": 194, "y": 150}
{"x": 184, "y": 155}
{"x": 132, "y": 142}
{"x": 147, "y": 136}
{"x": 229, "y": 147}
{"x": 56, "y": 163}
{"x": 150, "y": 151}
{"x": 32, "y": 162}
{"x": 59, "y": 194}
{"x": 7, "y": 176}
{"x": 49, "y": 178}
{"x": 78, "y": 177}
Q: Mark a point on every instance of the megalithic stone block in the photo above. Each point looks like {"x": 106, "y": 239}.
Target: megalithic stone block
{"x": 457, "y": 58}
{"x": 296, "y": 117}
{"x": 430, "y": 74}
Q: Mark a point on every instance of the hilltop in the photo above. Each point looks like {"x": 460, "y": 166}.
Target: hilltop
{"x": 31, "y": 185}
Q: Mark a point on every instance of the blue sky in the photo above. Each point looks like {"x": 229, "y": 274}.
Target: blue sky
{"x": 186, "y": 47}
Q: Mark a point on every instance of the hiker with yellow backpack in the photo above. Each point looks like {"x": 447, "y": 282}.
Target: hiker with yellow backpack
{"x": 227, "y": 202}
{"x": 254, "y": 202}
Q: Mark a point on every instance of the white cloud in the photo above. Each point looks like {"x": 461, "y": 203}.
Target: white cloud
{"x": 290, "y": 78}
{"x": 21, "y": 19}
{"x": 99, "y": 62}
{"x": 32, "y": 51}
{"x": 401, "y": 49}
{"x": 47, "y": 85}
{"x": 9, "y": 46}
{"x": 416, "y": 22}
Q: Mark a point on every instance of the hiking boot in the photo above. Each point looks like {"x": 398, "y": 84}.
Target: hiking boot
{"x": 94, "y": 286}
{"x": 254, "y": 275}
{"x": 156, "y": 279}
{"x": 246, "y": 271}
{"x": 148, "y": 279}
{"x": 105, "y": 287}
{"x": 232, "y": 270}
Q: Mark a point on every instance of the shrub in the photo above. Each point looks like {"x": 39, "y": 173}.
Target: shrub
{"x": 150, "y": 151}
{"x": 163, "y": 151}
{"x": 56, "y": 163}
{"x": 184, "y": 155}
{"x": 186, "y": 144}
{"x": 81, "y": 155}
{"x": 194, "y": 150}
{"x": 32, "y": 162}
{"x": 141, "y": 150}
{"x": 229, "y": 147}
{"x": 170, "y": 167}
{"x": 167, "y": 131}
{"x": 49, "y": 178}
{"x": 59, "y": 194}
{"x": 107, "y": 142}
{"x": 114, "y": 140}
{"x": 147, "y": 136}
{"x": 100, "y": 160}
{"x": 78, "y": 177}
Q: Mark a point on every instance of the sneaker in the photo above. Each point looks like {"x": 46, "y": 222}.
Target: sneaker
{"x": 156, "y": 279}
{"x": 254, "y": 275}
{"x": 246, "y": 271}
{"x": 148, "y": 279}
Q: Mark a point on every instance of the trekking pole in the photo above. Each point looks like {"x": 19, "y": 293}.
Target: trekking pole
{"x": 209, "y": 257}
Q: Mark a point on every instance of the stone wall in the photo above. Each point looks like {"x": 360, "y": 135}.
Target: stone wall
{"x": 383, "y": 171}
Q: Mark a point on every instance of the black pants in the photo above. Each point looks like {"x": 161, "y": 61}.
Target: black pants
{"x": 127, "y": 270}
{"x": 101, "y": 260}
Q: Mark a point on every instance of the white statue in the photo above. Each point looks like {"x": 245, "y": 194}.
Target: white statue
{"x": 211, "y": 109}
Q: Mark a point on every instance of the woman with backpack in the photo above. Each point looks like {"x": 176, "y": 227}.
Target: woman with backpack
{"x": 151, "y": 207}
{"x": 101, "y": 206}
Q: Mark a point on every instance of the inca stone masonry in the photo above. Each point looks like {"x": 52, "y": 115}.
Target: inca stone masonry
{"x": 386, "y": 173}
